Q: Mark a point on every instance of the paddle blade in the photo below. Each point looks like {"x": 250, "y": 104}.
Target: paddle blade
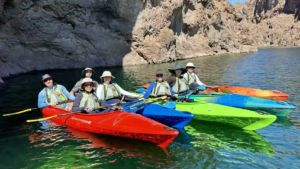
{"x": 46, "y": 118}
{"x": 223, "y": 90}
{"x": 201, "y": 87}
{"x": 146, "y": 86}
{"x": 24, "y": 111}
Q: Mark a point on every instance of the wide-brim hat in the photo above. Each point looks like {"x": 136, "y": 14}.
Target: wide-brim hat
{"x": 190, "y": 64}
{"x": 178, "y": 67}
{"x": 46, "y": 76}
{"x": 107, "y": 74}
{"x": 87, "y": 80}
{"x": 86, "y": 69}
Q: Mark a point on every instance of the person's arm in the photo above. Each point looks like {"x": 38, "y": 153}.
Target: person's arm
{"x": 171, "y": 80}
{"x": 122, "y": 91}
{"x": 66, "y": 93}
{"x": 198, "y": 81}
{"x": 76, "y": 104}
{"x": 149, "y": 90}
{"x": 76, "y": 88}
{"x": 103, "y": 104}
{"x": 99, "y": 90}
{"x": 41, "y": 99}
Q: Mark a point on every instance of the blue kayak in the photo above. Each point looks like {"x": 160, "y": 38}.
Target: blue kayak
{"x": 170, "y": 117}
{"x": 277, "y": 108}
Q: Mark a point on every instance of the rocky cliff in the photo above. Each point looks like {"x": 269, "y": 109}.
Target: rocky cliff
{"x": 39, "y": 34}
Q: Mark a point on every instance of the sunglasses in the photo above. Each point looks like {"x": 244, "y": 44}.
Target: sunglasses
{"x": 159, "y": 75}
{"x": 88, "y": 84}
{"x": 46, "y": 80}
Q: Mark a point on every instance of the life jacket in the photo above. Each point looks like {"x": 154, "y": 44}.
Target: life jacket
{"x": 56, "y": 96}
{"x": 109, "y": 91}
{"x": 191, "y": 78}
{"x": 180, "y": 86}
{"x": 89, "y": 100}
{"x": 160, "y": 89}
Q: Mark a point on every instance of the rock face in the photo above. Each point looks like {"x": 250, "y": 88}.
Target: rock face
{"x": 274, "y": 22}
{"x": 180, "y": 29}
{"x": 36, "y": 35}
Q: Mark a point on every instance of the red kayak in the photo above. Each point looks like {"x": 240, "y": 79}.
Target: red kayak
{"x": 118, "y": 123}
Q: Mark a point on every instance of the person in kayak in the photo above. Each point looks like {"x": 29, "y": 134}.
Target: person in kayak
{"x": 176, "y": 81}
{"x": 86, "y": 100}
{"x": 86, "y": 73}
{"x": 112, "y": 92}
{"x": 190, "y": 76}
{"x": 54, "y": 94}
{"x": 159, "y": 87}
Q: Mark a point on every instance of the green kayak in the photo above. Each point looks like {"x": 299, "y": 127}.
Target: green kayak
{"x": 241, "y": 118}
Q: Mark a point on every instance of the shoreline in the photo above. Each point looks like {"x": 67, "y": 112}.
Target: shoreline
{"x": 2, "y": 79}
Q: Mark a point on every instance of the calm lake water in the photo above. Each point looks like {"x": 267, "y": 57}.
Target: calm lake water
{"x": 200, "y": 145}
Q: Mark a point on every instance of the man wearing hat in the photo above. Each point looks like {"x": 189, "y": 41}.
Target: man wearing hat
{"x": 190, "y": 76}
{"x": 54, "y": 94}
{"x": 111, "y": 91}
{"x": 86, "y": 73}
{"x": 159, "y": 87}
{"x": 176, "y": 81}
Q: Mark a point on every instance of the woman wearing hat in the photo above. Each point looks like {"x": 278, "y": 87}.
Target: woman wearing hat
{"x": 159, "y": 87}
{"x": 111, "y": 91}
{"x": 86, "y": 100}
{"x": 54, "y": 94}
{"x": 176, "y": 81}
{"x": 190, "y": 76}
{"x": 86, "y": 73}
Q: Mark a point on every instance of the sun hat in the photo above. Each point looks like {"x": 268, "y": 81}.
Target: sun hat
{"x": 86, "y": 69}
{"x": 106, "y": 74}
{"x": 190, "y": 64}
{"x": 46, "y": 76}
{"x": 159, "y": 72}
{"x": 178, "y": 67}
{"x": 87, "y": 80}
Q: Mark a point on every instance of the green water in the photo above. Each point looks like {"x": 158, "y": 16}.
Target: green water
{"x": 200, "y": 145}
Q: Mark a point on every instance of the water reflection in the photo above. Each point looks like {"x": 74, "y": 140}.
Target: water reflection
{"x": 88, "y": 147}
{"x": 214, "y": 136}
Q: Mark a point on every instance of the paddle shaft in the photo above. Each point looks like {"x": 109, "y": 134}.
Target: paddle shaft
{"x": 59, "y": 115}
{"x": 27, "y": 110}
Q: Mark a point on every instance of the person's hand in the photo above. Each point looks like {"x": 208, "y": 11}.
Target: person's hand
{"x": 52, "y": 104}
{"x": 88, "y": 109}
{"x": 140, "y": 95}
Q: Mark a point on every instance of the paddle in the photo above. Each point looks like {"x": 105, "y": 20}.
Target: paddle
{"x": 223, "y": 90}
{"x": 59, "y": 115}
{"x": 142, "y": 105}
{"x": 183, "y": 98}
{"x": 27, "y": 110}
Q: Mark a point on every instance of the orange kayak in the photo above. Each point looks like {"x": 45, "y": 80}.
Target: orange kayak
{"x": 265, "y": 94}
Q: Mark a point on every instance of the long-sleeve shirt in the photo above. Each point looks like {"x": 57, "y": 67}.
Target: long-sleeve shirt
{"x": 186, "y": 76}
{"x": 122, "y": 91}
{"x": 151, "y": 87}
{"x": 77, "y": 86}
{"x": 42, "y": 95}
{"x": 77, "y": 101}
